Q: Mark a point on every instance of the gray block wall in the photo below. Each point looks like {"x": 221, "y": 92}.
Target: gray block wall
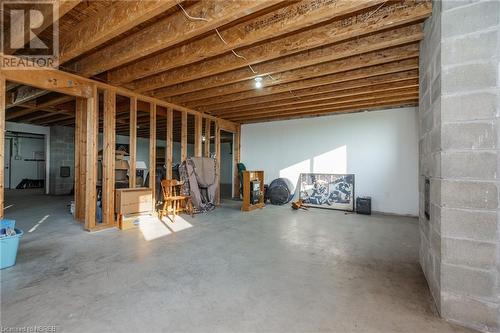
{"x": 459, "y": 136}
{"x": 62, "y": 153}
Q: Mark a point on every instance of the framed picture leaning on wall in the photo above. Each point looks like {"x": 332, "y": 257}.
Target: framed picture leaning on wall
{"x": 326, "y": 190}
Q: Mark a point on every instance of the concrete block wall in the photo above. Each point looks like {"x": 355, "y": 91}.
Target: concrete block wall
{"x": 460, "y": 243}
{"x": 62, "y": 153}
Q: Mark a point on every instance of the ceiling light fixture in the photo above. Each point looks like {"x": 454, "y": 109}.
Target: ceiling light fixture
{"x": 258, "y": 82}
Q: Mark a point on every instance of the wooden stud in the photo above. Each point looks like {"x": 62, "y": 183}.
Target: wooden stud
{"x": 169, "y": 143}
{"x": 198, "y": 140}
{"x": 207, "y": 137}
{"x": 91, "y": 163}
{"x": 236, "y": 160}
{"x": 133, "y": 142}
{"x": 184, "y": 136}
{"x": 80, "y": 157}
{"x": 2, "y": 143}
{"x": 152, "y": 150}
{"x": 217, "y": 157}
{"x": 108, "y": 159}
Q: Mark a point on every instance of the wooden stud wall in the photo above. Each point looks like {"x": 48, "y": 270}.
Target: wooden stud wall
{"x": 198, "y": 125}
{"x": 152, "y": 150}
{"x": 184, "y": 136}
{"x": 91, "y": 163}
{"x": 133, "y": 142}
{"x": 108, "y": 159}
{"x": 170, "y": 143}
{"x": 207, "y": 137}
{"x": 236, "y": 160}
{"x": 217, "y": 157}
{"x": 80, "y": 157}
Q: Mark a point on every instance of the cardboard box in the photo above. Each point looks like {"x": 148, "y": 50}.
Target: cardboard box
{"x": 121, "y": 164}
{"x": 133, "y": 200}
{"x": 127, "y": 222}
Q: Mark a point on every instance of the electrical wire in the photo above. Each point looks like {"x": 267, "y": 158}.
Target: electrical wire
{"x": 192, "y": 17}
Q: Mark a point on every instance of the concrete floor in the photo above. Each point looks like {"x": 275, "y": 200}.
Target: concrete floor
{"x": 273, "y": 270}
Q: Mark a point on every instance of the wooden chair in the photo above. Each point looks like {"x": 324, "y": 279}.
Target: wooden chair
{"x": 173, "y": 201}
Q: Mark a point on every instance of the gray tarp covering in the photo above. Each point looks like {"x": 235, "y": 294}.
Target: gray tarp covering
{"x": 200, "y": 178}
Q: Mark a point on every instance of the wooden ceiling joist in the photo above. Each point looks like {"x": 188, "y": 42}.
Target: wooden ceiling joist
{"x": 20, "y": 113}
{"x": 284, "y": 97}
{"x": 373, "y": 71}
{"x": 332, "y": 102}
{"x": 165, "y": 33}
{"x": 331, "y": 67}
{"x": 119, "y": 18}
{"x": 354, "y": 107}
{"x": 347, "y": 49}
{"x": 295, "y": 16}
{"x": 389, "y": 16}
{"x": 316, "y": 99}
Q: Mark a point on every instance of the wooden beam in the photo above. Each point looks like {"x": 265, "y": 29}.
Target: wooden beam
{"x": 169, "y": 144}
{"x": 80, "y": 157}
{"x": 300, "y": 94}
{"x": 371, "y": 43}
{"x": 2, "y": 143}
{"x": 108, "y": 24}
{"x": 207, "y": 137}
{"x": 46, "y": 79}
{"x": 108, "y": 159}
{"x": 318, "y": 98}
{"x": 56, "y": 101}
{"x": 198, "y": 123}
{"x": 165, "y": 33}
{"x": 331, "y": 67}
{"x": 236, "y": 160}
{"x": 92, "y": 129}
{"x": 133, "y": 142}
{"x": 349, "y": 107}
{"x": 318, "y": 105}
{"x": 391, "y": 15}
{"x": 184, "y": 134}
{"x": 152, "y": 151}
{"x": 217, "y": 157}
{"x": 296, "y": 16}
{"x": 373, "y": 71}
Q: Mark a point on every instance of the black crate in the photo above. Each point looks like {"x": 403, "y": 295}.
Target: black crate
{"x": 364, "y": 205}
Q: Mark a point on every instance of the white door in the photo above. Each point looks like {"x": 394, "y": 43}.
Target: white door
{"x": 7, "y": 163}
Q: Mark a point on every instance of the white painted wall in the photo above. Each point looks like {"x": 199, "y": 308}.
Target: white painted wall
{"x": 379, "y": 147}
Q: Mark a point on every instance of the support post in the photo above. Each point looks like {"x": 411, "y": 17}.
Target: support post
{"x": 236, "y": 160}
{"x": 80, "y": 157}
{"x": 207, "y": 137}
{"x": 152, "y": 150}
{"x": 133, "y": 142}
{"x": 184, "y": 136}
{"x": 91, "y": 174}
{"x": 2, "y": 143}
{"x": 170, "y": 143}
{"x": 217, "y": 156}
{"x": 198, "y": 125}
{"x": 108, "y": 158}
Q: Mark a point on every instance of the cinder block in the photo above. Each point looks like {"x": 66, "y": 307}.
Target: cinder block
{"x": 470, "y": 312}
{"x": 450, "y": 4}
{"x": 475, "y": 225}
{"x": 468, "y": 135}
{"x": 474, "y": 47}
{"x": 469, "y": 164}
{"x": 468, "y": 281}
{"x": 468, "y": 194}
{"x": 474, "y": 106}
{"x": 476, "y": 17}
{"x": 464, "y": 78}
{"x": 468, "y": 253}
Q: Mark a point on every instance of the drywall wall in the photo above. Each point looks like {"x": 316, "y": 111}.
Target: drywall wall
{"x": 379, "y": 147}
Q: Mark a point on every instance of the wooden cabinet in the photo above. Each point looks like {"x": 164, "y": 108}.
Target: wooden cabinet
{"x": 249, "y": 176}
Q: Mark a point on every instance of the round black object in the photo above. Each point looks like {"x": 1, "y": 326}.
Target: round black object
{"x": 280, "y": 191}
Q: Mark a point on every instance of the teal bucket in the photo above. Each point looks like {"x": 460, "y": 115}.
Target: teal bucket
{"x": 9, "y": 244}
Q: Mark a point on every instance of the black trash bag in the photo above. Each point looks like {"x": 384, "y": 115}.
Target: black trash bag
{"x": 280, "y": 191}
